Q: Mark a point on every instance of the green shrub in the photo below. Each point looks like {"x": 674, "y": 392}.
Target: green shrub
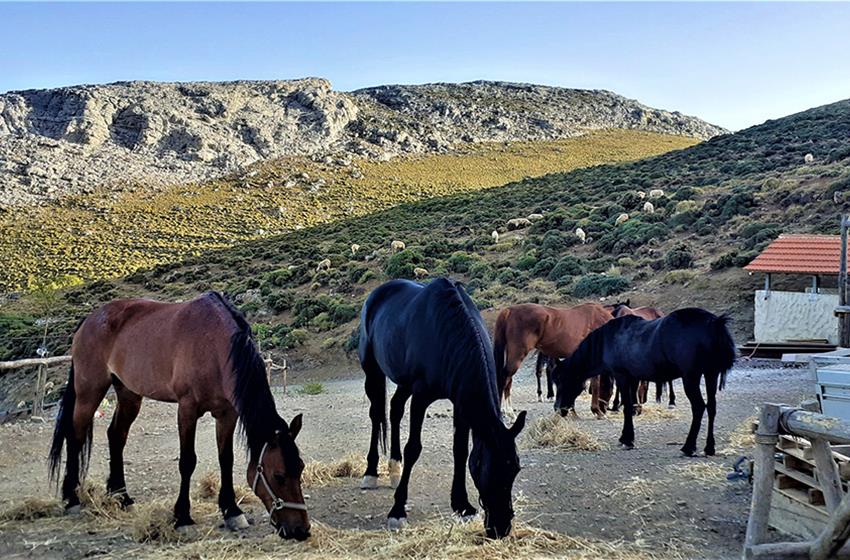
{"x": 679, "y": 257}
{"x": 341, "y": 313}
{"x": 401, "y": 264}
{"x": 460, "y": 262}
{"x": 599, "y": 285}
{"x": 544, "y": 267}
{"x": 526, "y": 262}
{"x": 280, "y": 277}
{"x": 731, "y": 260}
{"x": 352, "y": 343}
{"x": 280, "y": 301}
{"x": 295, "y": 337}
{"x": 482, "y": 270}
{"x": 509, "y": 276}
{"x": 366, "y": 276}
{"x": 311, "y": 389}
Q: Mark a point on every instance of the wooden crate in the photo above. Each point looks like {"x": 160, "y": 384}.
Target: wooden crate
{"x": 797, "y": 506}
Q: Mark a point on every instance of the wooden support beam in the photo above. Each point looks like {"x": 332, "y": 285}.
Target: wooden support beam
{"x": 15, "y": 364}
{"x": 811, "y": 425}
{"x": 766, "y": 438}
{"x": 828, "y": 476}
{"x": 834, "y": 535}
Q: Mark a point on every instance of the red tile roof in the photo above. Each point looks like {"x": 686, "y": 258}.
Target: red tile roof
{"x": 800, "y": 254}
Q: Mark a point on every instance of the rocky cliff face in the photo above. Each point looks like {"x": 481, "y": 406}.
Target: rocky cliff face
{"x": 74, "y": 139}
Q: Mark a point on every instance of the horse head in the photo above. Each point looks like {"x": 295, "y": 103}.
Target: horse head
{"x": 275, "y": 477}
{"x": 620, "y": 308}
{"x": 494, "y": 464}
{"x": 567, "y": 387}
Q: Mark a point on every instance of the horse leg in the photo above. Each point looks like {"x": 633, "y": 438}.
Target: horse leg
{"x": 79, "y": 442}
{"x": 460, "y": 499}
{"x": 376, "y": 390}
{"x": 711, "y": 406}
{"x": 125, "y": 414}
{"x": 550, "y": 389}
{"x": 396, "y": 413}
{"x": 616, "y": 405}
{"x": 627, "y": 438}
{"x": 187, "y": 419}
{"x": 639, "y": 397}
{"x": 672, "y": 402}
{"x": 225, "y": 425}
{"x": 692, "y": 391}
{"x": 508, "y": 408}
{"x": 659, "y": 391}
{"x": 538, "y": 372}
{"x": 398, "y": 515}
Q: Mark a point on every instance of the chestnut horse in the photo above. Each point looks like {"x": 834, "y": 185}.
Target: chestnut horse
{"x": 202, "y": 356}
{"x": 554, "y": 331}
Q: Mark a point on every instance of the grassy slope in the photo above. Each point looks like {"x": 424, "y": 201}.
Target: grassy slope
{"x": 110, "y": 234}
{"x": 726, "y": 197}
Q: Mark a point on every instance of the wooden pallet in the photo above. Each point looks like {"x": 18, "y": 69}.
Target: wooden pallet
{"x": 801, "y": 509}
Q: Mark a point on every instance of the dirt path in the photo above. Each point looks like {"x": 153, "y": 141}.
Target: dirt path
{"x": 647, "y": 495}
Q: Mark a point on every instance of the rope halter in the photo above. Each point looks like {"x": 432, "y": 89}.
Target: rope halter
{"x": 277, "y": 502}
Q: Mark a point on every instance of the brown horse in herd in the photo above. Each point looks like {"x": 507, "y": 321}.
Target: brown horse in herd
{"x": 202, "y": 356}
{"x": 556, "y": 332}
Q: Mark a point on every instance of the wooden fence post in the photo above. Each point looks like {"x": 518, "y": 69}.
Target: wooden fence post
{"x": 766, "y": 438}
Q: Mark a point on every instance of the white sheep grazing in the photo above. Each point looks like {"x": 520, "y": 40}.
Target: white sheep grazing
{"x": 518, "y": 223}
{"x": 535, "y": 217}
{"x": 656, "y": 193}
{"x": 324, "y": 265}
{"x": 354, "y": 248}
{"x": 622, "y": 219}
{"x": 641, "y": 195}
{"x": 397, "y": 246}
{"x": 420, "y": 272}
{"x": 809, "y": 158}
{"x": 495, "y": 236}
{"x": 648, "y": 207}
{"x": 581, "y": 235}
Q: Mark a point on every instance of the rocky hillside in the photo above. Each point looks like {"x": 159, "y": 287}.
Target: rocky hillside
{"x": 75, "y": 139}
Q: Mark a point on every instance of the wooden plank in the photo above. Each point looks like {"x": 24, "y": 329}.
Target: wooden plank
{"x": 827, "y": 474}
{"x": 14, "y": 364}
{"x": 795, "y": 517}
{"x": 800, "y": 477}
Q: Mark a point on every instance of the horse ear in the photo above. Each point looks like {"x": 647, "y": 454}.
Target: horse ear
{"x": 295, "y": 426}
{"x": 518, "y": 425}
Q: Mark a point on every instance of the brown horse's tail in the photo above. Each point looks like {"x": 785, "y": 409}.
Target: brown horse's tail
{"x": 499, "y": 345}
{"x": 64, "y": 431}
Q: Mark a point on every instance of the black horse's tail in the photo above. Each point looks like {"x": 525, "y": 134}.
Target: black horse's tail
{"x": 723, "y": 353}
{"x": 376, "y": 391}
{"x": 499, "y": 344}
{"x": 64, "y": 431}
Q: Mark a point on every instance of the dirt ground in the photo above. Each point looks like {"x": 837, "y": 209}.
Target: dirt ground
{"x": 647, "y": 496}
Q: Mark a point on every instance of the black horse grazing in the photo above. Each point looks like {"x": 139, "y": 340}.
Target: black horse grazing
{"x": 688, "y": 343}
{"x": 431, "y": 341}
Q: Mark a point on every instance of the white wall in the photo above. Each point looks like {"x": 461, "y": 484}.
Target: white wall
{"x": 795, "y": 315}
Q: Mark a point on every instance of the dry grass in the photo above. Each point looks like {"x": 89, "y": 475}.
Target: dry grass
{"x": 208, "y": 486}
{"x": 634, "y": 487}
{"x": 711, "y": 473}
{"x": 434, "y": 539}
{"x": 29, "y": 509}
{"x": 556, "y": 432}
{"x": 656, "y": 413}
{"x": 96, "y": 502}
{"x": 741, "y": 438}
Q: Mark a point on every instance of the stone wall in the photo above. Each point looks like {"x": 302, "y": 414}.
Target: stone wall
{"x": 795, "y": 315}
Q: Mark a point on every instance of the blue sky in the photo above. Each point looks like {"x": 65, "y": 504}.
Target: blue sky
{"x": 733, "y": 64}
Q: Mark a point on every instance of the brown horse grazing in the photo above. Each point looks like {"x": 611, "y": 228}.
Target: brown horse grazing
{"x": 554, "y": 331}
{"x": 201, "y": 355}
{"x": 622, "y": 309}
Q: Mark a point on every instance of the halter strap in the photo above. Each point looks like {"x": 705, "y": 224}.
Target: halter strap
{"x": 277, "y": 503}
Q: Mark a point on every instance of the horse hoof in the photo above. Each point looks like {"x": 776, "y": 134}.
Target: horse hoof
{"x": 237, "y": 522}
{"x": 689, "y": 452}
{"x": 671, "y": 407}
{"x": 185, "y": 529}
{"x": 627, "y": 446}
{"x": 396, "y": 523}
{"x": 468, "y": 518}
{"x": 395, "y": 472}
{"x": 73, "y": 510}
{"x": 369, "y": 482}
{"x": 539, "y": 398}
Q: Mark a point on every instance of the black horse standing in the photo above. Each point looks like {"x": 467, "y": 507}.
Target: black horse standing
{"x": 431, "y": 341}
{"x": 688, "y": 343}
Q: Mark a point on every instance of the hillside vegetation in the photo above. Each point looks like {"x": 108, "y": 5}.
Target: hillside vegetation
{"x": 722, "y": 201}
{"x": 112, "y": 232}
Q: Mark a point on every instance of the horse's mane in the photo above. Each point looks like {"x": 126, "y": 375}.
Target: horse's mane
{"x": 464, "y": 343}
{"x": 252, "y": 396}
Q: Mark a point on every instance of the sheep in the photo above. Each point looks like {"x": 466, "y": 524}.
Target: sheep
{"x": 535, "y": 217}
{"x": 518, "y": 223}
{"x": 495, "y": 236}
{"x": 581, "y": 235}
{"x": 324, "y": 265}
{"x": 648, "y": 207}
{"x": 809, "y": 158}
{"x": 838, "y": 197}
{"x": 397, "y": 246}
{"x": 622, "y": 219}
{"x": 354, "y": 248}
{"x": 641, "y": 195}
{"x": 420, "y": 272}
{"x": 656, "y": 193}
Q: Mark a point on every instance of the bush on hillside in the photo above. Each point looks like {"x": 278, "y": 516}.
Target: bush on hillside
{"x": 401, "y": 264}
{"x": 599, "y": 285}
{"x": 679, "y": 257}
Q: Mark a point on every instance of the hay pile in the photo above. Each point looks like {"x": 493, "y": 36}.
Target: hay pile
{"x": 710, "y": 473}
{"x": 556, "y": 432}
{"x": 657, "y": 413}
{"x": 435, "y": 539}
{"x": 742, "y": 438}
{"x": 29, "y": 509}
{"x": 635, "y": 487}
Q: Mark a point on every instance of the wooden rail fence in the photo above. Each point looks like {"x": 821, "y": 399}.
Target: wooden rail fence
{"x": 41, "y": 378}
{"x": 776, "y": 419}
